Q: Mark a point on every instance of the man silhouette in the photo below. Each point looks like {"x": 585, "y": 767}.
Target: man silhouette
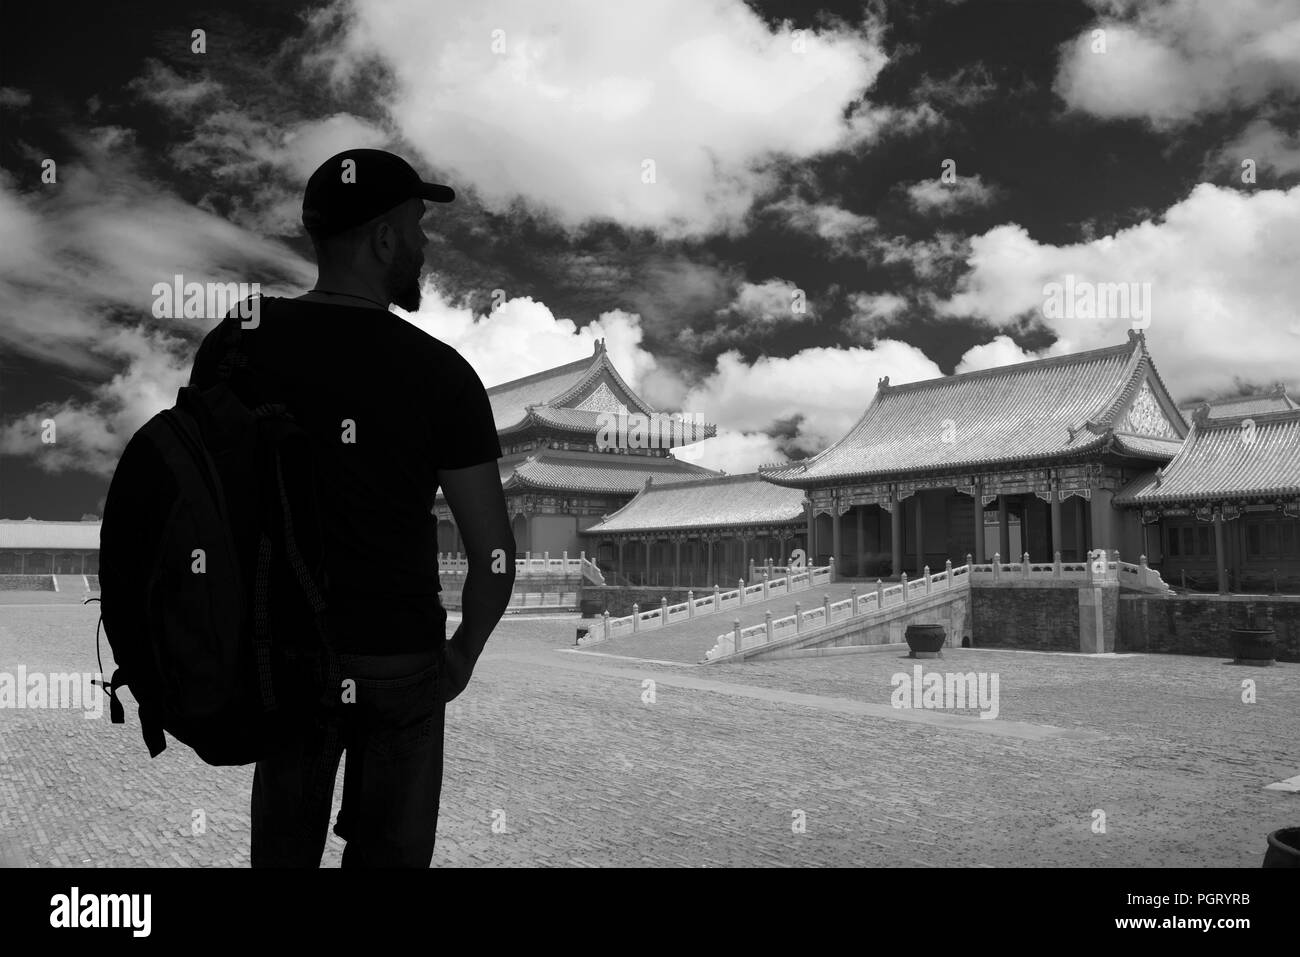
{"x": 393, "y": 414}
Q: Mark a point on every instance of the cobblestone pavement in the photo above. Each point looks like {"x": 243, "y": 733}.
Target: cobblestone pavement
{"x": 571, "y": 753}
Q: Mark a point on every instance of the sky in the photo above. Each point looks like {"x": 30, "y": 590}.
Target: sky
{"x": 761, "y": 207}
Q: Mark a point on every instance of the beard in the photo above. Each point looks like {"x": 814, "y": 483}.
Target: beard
{"x": 402, "y": 283}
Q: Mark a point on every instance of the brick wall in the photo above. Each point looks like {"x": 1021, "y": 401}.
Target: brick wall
{"x": 1199, "y": 624}
{"x": 1042, "y": 618}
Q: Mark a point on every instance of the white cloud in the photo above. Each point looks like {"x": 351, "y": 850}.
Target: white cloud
{"x": 773, "y": 301}
{"x": 78, "y": 262}
{"x": 575, "y": 97}
{"x": 1003, "y": 351}
{"x": 840, "y": 227}
{"x": 12, "y": 96}
{"x": 1223, "y": 286}
{"x": 823, "y": 390}
{"x": 258, "y": 165}
{"x": 1170, "y": 61}
{"x": 1272, "y": 149}
{"x": 872, "y": 313}
{"x": 523, "y": 336}
{"x": 966, "y": 192}
{"x": 732, "y": 452}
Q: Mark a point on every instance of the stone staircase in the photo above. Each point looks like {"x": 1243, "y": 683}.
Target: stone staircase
{"x": 688, "y": 641}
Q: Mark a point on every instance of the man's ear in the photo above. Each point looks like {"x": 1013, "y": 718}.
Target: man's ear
{"x": 383, "y": 241}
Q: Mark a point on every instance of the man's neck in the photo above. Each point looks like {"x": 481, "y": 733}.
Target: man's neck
{"x": 344, "y": 293}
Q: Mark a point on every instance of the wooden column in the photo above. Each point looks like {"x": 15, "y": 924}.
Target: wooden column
{"x": 920, "y": 532}
{"x": 861, "y": 545}
{"x": 1004, "y": 530}
{"x": 708, "y": 569}
{"x": 1080, "y": 543}
{"x": 811, "y": 544}
{"x": 836, "y": 542}
{"x": 979, "y": 524}
{"x": 1220, "y": 558}
{"x": 744, "y": 555}
{"x": 620, "y": 558}
{"x": 1056, "y": 521}
{"x": 896, "y": 534}
{"x": 677, "y": 561}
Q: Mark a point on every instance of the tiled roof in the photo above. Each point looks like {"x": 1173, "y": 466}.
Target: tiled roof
{"x": 30, "y": 533}
{"x": 570, "y": 398}
{"x": 1275, "y": 401}
{"x": 728, "y": 500}
{"x": 1224, "y": 459}
{"x": 510, "y": 400}
{"x": 563, "y": 471}
{"x": 586, "y": 422}
{"x": 1148, "y": 446}
{"x": 1059, "y": 407}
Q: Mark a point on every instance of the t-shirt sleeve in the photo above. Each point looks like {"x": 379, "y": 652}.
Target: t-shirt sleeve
{"x": 205, "y": 360}
{"x": 212, "y": 350}
{"x": 466, "y": 431}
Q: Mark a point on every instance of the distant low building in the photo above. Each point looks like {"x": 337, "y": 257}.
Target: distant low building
{"x": 1225, "y": 512}
{"x": 32, "y": 547}
{"x": 699, "y": 531}
{"x": 1275, "y": 401}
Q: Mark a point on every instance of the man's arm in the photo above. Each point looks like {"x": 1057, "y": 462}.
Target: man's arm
{"x": 476, "y": 500}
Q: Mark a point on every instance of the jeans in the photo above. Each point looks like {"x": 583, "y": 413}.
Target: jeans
{"x": 392, "y": 781}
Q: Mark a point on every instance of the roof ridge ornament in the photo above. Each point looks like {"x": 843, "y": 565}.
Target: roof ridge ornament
{"x": 1137, "y": 335}
{"x": 1160, "y": 476}
{"x": 1202, "y": 414}
{"x": 882, "y": 384}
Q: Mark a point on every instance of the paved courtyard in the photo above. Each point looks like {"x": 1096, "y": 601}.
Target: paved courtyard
{"x": 792, "y": 762}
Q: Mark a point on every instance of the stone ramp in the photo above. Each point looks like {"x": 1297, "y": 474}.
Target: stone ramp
{"x": 71, "y": 584}
{"x": 690, "y": 640}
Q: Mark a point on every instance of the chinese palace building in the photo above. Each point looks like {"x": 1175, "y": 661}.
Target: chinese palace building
{"x": 563, "y": 467}
{"x": 1225, "y": 513}
{"x": 1060, "y": 455}
{"x": 700, "y": 531}
{"x": 1021, "y": 458}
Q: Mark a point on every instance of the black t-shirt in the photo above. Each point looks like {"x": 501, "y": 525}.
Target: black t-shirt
{"x": 411, "y": 405}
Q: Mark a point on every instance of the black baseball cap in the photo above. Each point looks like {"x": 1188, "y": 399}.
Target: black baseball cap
{"x": 355, "y": 186}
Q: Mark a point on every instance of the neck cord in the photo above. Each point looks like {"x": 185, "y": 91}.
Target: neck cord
{"x": 326, "y": 292}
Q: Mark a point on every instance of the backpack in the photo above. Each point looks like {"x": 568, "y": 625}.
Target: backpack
{"x": 198, "y": 535}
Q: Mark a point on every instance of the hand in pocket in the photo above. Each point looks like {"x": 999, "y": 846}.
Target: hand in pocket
{"x": 456, "y": 671}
